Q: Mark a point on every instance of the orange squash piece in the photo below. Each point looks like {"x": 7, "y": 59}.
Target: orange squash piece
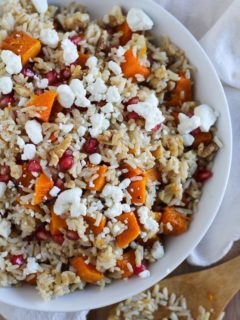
{"x": 32, "y": 279}
{"x": 42, "y": 187}
{"x": 99, "y": 182}
{"x": 132, "y": 66}
{"x": 57, "y": 223}
{"x": 132, "y": 172}
{"x": 46, "y": 100}
{"x": 202, "y": 137}
{"x": 131, "y": 233}
{"x": 86, "y": 272}
{"x": 126, "y": 33}
{"x": 178, "y": 222}
{"x": 137, "y": 190}
{"x": 182, "y": 92}
{"x": 82, "y": 59}
{"x": 153, "y": 174}
{"x": 23, "y": 45}
{"x": 127, "y": 257}
{"x": 96, "y": 229}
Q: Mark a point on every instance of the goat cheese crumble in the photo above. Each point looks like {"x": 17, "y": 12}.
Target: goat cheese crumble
{"x": 138, "y": 20}
{"x": 6, "y": 85}
{"x": 34, "y": 131}
{"x": 49, "y": 37}
{"x": 70, "y": 200}
{"x": 207, "y": 115}
{"x": 70, "y": 52}
{"x": 12, "y": 61}
{"x": 40, "y": 5}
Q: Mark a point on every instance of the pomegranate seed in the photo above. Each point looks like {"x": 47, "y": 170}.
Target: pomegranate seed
{"x": 66, "y": 74}
{"x": 42, "y": 234}
{"x": 59, "y": 183}
{"x": 53, "y": 78}
{"x": 66, "y": 162}
{"x": 59, "y": 238}
{"x": 195, "y": 132}
{"x": 133, "y": 100}
{"x": 7, "y": 100}
{"x": 72, "y": 235}
{"x": 27, "y": 72}
{"x": 203, "y": 175}
{"x": 76, "y": 39}
{"x": 156, "y": 128}
{"x": 133, "y": 115}
{"x": 139, "y": 269}
{"x": 34, "y": 166}
{"x": 4, "y": 173}
{"x": 90, "y": 146}
{"x": 67, "y": 153}
{"x": 110, "y": 30}
{"x": 17, "y": 260}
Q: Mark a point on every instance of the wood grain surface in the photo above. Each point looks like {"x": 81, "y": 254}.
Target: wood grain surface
{"x": 232, "y": 311}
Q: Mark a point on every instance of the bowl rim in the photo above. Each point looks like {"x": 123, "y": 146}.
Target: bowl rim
{"x": 154, "y": 278}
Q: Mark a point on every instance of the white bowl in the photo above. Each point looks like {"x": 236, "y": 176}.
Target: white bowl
{"x": 208, "y": 89}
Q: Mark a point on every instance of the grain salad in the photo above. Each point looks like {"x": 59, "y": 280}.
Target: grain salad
{"x": 103, "y": 148}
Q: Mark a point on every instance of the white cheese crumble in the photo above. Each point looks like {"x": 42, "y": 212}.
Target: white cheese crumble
{"x": 6, "y": 85}
{"x": 20, "y": 142}
{"x": 149, "y": 111}
{"x": 146, "y": 219}
{"x": 113, "y": 94}
{"x": 70, "y": 52}
{"x": 70, "y": 200}
{"x": 12, "y": 61}
{"x": 77, "y": 88}
{"x": 187, "y": 124}
{"x": 3, "y": 188}
{"x": 29, "y": 151}
{"x": 126, "y": 207}
{"x": 108, "y": 108}
{"x": 41, "y": 83}
{"x": 207, "y": 115}
{"x": 95, "y": 158}
{"x": 5, "y": 228}
{"x": 114, "y": 67}
{"x": 66, "y": 96}
{"x": 32, "y": 266}
{"x": 113, "y": 196}
{"x": 40, "y": 5}
{"x": 97, "y": 90}
{"x": 99, "y": 124}
{"x": 54, "y": 191}
{"x": 34, "y": 131}
{"x": 125, "y": 183}
{"x": 188, "y": 139}
{"x": 81, "y": 131}
{"x": 66, "y": 128}
{"x": 144, "y": 274}
{"x": 91, "y": 62}
{"x": 157, "y": 250}
{"x": 49, "y": 37}
{"x": 138, "y": 20}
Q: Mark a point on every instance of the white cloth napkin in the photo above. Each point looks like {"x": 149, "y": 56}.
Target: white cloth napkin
{"x": 215, "y": 23}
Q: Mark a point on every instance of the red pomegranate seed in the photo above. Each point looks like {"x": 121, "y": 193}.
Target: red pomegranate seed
{"x": 66, "y": 162}
{"x": 156, "y": 128}
{"x": 27, "y": 72}
{"x": 34, "y": 166}
{"x": 7, "y": 100}
{"x": 139, "y": 269}
{"x": 66, "y": 74}
{"x": 90, "y": 146}
{"x": 59, "y": 238}
{"x": 133, "y": 100}
{"x": 203, "y": 175}
{"x": 42, "y": 234}
{"x": 53, "y": 78}
{"x": 133, "y": 115}
{"x": 76, "y": 39}
{"x": 195, "y": 132}
{"x": 72, "y": 235}
{"x": 4, "y": 173}
{"x": 59, "y": 183}
{"x": 17, "y": 260}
